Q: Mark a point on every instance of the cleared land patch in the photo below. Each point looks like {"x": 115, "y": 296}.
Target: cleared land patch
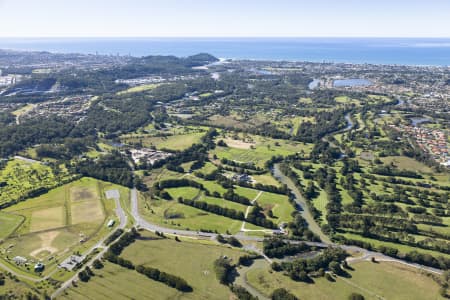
{"x": 85, "y": 204}
{"x": 83, "y": 193}
{"x": 46, "y": 245}
{"x": 87, "y": 211}
{"x": 138, "y": 89}
{"x": 172, "y": 142}
{"x": 238, "y": 144}
{"x": 403, "y": 162}
{"x": 47, "y": 218}
{"x": 262, "y": 149}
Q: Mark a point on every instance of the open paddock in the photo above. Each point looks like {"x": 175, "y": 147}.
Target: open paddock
{"x": 87, "y": 211}
{"x": 372, "y": 280}
{"x": 175, "y": 215}
{"x": 261, "y": 150}
{"x": 197, "y": 270}
{"x": 9, "y": 223}
{"x": 47, "y": 218}
{"x": 177, "y": 142}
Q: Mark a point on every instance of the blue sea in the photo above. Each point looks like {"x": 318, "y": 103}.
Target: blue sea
{"x": 401, "y": 51}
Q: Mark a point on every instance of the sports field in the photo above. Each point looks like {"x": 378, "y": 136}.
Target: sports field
{"x": 52, "y": 225}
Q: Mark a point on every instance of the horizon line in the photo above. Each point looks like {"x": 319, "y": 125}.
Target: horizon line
{"x": 223, "y": 37}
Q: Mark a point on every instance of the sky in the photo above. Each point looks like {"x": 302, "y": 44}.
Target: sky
{"x": 224, "y": 18}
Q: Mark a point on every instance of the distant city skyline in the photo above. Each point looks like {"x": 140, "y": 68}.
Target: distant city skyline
{"x": 231, "y": 18}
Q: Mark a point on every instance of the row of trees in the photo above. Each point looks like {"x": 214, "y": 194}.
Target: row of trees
{"x": 391, "y": 171}
{"x": 277, "y": 247}
{"x": 166, "y": 278}
{"x": 255, "y": 216}
{"x": 299, "y": 269}
{"x": 125, "y": 240}
{"x": 230, "y": 195}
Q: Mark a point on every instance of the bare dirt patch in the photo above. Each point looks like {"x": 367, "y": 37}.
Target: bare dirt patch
{"x": 83, "y": 194}
{"x": 367, "y": 156}
{"x": 87, "y": 212}
{"x": 46, "y": 248}
{"x": 238, "y": 144}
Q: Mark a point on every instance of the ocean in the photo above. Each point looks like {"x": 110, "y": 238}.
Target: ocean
{"x": 400, "y": 51}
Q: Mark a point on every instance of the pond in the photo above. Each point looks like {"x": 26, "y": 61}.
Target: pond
{"x": 351, "y": 82}
{"x": 418, "y": 121}
{"x": 314, "y": 84}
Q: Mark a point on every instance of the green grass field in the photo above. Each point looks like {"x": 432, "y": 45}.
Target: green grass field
{"x": 192, "y": 261}
{"x": 138, "y": 89}
{"x": 207, "y": 168}
{"x": 373, "y": 280}
{"x": 184, "y": 192}
{"x": 175, "y": 215}
{"x": 346, "y": 100}
{"x": 320, "y": 203}
{"x": 189, "y": 260}
{"x": 266, "y": 178}
{"x": 223, "y": 203}
{"x": 9, "y": 223}
{"x": 171, "y": 142}
{"x": 258, "y": 149}
{"x": 211, "y": 186}
{"x": 279, "y": 204}
{"x": 246, "y": 192}
{"x": 115, "y": 282}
